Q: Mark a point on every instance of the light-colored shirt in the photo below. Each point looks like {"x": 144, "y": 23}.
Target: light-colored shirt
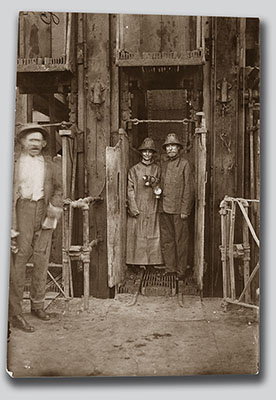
{"x": 31, "y": 176}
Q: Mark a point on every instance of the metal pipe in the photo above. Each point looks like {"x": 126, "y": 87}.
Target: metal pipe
{"x": 86, "y": 263}
{"x": 246, "y": 259}
{"x": 231, "y": 251}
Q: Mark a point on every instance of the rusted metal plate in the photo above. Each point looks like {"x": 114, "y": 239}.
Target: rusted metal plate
{"x": 45, "y": 42}
{"x": 36, "y": 38}
{"x": 175, "y": 33}
{"x": 148, "y": 40}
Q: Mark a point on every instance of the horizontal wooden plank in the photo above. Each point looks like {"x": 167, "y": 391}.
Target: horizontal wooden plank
{"x": 44, "y": 67}
{"x": 156, "y": 59}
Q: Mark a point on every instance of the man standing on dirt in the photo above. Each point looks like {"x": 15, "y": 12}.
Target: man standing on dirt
{"x": 37, "y": 202}
{"x": 177, "y": 183}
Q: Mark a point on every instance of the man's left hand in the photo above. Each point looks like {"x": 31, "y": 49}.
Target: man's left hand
{"x": 184, "y": 216}
{"x": 54, "y": 212}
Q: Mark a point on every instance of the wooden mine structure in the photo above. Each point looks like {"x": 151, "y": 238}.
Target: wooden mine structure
{"x": 102, "y": 83}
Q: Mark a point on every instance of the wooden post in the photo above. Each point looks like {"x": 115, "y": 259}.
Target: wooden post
{"x": 30, "y": 98}
{"x": 225, "y": 153}
{"x": 52, "y": 115}
{"x": 97, "y": 122}
{"x": 65, "y": 250}
{"x": 66, "y": 262}
{"x": 246, "y": 259}
{"x": 201, "y": 155}
{"x": 251, "y": 152}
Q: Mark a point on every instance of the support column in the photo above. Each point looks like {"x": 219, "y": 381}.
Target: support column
{"x": 97, "y": 137}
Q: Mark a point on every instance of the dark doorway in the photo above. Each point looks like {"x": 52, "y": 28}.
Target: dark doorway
{"x": 161, "y": 93}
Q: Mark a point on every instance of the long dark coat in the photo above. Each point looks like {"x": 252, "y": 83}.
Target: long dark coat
{"x": 143, "y": 232}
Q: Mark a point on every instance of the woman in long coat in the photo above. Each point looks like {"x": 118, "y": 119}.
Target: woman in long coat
{"x": 143, "y": 232}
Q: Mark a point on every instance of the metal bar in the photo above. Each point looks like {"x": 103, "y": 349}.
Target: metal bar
{"x": 239, "y": 303}
{"x": 56, "y": 283}
{"x": 57, "y": 124}
{"x": 249, "y": 280}
{"x": 223, "y": 253}
{"x": 137, "y": 121}
{"x": 50, "y": 265}
{"x": 249, "y": 223}
{"x": 74, "y": 170}
{"x": 229, "y": 198}
{"x": 246, "y": 258}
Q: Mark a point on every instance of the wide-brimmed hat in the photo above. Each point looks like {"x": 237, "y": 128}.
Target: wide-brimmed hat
{"x": 32, "y": 127}
{"x": 148, "y": 144}
{"x": 172, "y": 139}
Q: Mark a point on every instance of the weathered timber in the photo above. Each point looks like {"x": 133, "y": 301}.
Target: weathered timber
{"x": 97, "y": 138}
{"x": 225, "y": 150}
{"x": 117, "y": 164}
{"x": 200, "y": 180}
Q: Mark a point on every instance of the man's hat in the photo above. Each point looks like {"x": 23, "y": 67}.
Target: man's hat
{"x": 172, "y": 139}
{"x": 32, "y": 127}
{"x": 148, "y": 144}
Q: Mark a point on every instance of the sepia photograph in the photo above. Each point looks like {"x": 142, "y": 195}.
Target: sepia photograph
{"x": 135, "y": 226}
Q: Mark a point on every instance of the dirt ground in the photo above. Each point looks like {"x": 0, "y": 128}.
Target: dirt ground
{"x": 155, "y": 337}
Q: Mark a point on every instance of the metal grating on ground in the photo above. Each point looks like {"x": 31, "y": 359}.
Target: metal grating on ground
{"x": 155, "y": 283}
{"x": 132, "y": 283}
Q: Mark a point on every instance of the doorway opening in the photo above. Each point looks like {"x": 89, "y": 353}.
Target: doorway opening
{"x": 161, "y": 93}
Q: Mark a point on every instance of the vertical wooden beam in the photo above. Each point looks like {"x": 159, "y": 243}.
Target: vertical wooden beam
{"x": 241, "y": 107}
{"x": 225, "y": 145}
{"x": 52, "y": 116}
{"x": 20, "y": 114}
{"x": 21, "y": 49}
{"x": 207, "y": 100}
{"x": 97, "y": 133}
{"x": 200, "y": 161}
{"x": 81, "y": 103}
{"x": 114, "y": 81}
{"x": 198, "y": 32}
{"x": 29, "y": 108}
{"x": 65, "y": 251}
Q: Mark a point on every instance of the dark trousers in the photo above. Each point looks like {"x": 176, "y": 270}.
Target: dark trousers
{"x": 32, "y": 241}
{"x": 174, "y": 242}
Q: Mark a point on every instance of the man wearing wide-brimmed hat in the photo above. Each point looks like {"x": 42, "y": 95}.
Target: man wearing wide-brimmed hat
{"x": 143, "y": 233}
{"x": 37, "y": 202}
{"x": 177, "y": 183}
